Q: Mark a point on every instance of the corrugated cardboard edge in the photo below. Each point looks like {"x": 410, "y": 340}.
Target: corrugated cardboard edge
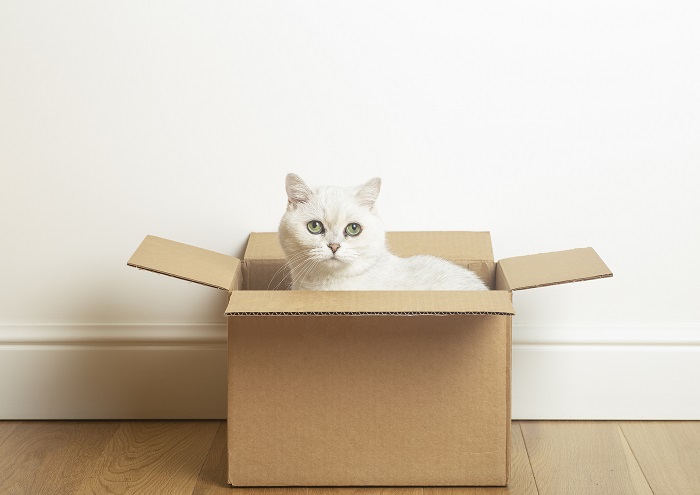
{"x": 186, "y": 262}
{"x": 541, "y": 270}
{"x": 293, "y": 303}
{"x": 509, "y": 393}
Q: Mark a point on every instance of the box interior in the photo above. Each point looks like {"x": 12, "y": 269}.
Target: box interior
{"x": 263, "y": 261}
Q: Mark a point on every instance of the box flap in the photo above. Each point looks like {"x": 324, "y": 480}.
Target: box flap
{"x": 187, "y": 262}
{"x": 539, "y": 270}
{"x": 455, "y": 246}
{"x": 263, "y": 246}
{"x": 370, "y": 302}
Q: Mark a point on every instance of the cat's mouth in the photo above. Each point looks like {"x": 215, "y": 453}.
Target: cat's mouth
{"x": 334, "y": 259}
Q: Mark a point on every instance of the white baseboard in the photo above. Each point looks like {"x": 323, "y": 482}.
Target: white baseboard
{"x": 169, "y": 371}
{"x": 625, "y": 372}
{"x": 113, "y": 372}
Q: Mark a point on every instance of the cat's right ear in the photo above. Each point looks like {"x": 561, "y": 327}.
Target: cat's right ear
{"x": 367, "y": 193}
{"x": 297, "y": 190}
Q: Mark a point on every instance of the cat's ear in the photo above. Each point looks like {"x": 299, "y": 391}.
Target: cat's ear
{"x": 297, "y": 190}
{"x": 368, "y": 192}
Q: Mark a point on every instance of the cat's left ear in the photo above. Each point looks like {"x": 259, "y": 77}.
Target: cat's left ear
{"x": 297, "y": 190}
{"x": 368, "y": 192}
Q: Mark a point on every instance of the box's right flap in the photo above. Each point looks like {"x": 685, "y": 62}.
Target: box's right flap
{"x": 539, "y": 270}
{"x": 187, "y": 262}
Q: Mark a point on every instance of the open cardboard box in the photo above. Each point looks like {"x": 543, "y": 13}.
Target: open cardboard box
{"x": 369, "y": 388}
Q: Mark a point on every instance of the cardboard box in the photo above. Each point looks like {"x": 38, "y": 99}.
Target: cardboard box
{"x": 375, "y": 388}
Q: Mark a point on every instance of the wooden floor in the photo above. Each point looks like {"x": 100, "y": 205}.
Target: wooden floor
{"x": 188, "y": 457}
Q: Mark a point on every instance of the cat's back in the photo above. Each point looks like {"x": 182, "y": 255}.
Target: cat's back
{"x": 423, "y": 272}
{"x": 390, "y": 272}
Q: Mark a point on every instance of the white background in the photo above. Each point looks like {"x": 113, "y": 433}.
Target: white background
{"x": 553, "y": 125}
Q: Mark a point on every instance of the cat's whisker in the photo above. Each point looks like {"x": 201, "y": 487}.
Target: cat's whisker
{"x": 308, "y": 270}
{"x": 304, "y": 270}
{"x": 293, "y": 265}
{"x": 297, "y": 266}
{"x": 291, "y": 259}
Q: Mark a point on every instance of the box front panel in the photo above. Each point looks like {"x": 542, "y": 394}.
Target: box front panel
{"x": 368, "y": 400}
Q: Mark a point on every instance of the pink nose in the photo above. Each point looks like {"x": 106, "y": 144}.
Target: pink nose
{"x": 334, "y": 247}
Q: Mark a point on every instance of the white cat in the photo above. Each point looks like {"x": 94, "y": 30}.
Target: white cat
{"x": 334, "y": 240}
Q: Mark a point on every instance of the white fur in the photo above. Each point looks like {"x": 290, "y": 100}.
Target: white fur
{"x": 362, "y": 262}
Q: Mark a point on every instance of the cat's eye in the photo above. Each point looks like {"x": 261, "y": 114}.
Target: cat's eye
{"x": 353, "y": 229}
{"x": 315, "y": 227}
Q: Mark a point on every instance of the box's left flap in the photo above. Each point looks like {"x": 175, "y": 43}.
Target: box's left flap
{"x": 298, "y": 302}
{"x": 187, "y": 262}
{"x": 539, "y": 270}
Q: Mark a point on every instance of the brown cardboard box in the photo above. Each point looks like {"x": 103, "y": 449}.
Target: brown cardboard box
{"x": 369, "y": 388}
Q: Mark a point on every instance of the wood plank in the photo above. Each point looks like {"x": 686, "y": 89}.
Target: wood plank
{"x": 639, "y": 483}
{"x": 6, "y": 429}
{"x": 365, "y": 490}
{"x": 668, "y": 453}
{"x": 212, "y": 479}
{"x": 51, "y": 457}
{"x": 522, "y": 480}
{"x": 292, "y": 490}
{"x": 582, "y": 458}
{"x": 152, "y": 457}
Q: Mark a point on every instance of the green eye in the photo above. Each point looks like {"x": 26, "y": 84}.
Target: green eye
{"x": 315, "y": 227}
{"x": 353, "y": 229}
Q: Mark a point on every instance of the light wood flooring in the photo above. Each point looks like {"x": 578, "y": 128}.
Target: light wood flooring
{"x": 188, "y": 457}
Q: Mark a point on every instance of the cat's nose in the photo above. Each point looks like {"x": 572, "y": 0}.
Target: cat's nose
{"x": 334, "y": 247}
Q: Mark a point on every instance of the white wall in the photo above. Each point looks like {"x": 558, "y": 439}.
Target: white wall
{"x": 551, "y": 124}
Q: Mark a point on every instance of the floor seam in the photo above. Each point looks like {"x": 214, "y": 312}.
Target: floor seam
{"x": 529, "y": 461}
{"x": 629, "y": 446}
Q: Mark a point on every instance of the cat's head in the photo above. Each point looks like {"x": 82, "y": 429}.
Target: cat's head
{"x": 331, "y": 229}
